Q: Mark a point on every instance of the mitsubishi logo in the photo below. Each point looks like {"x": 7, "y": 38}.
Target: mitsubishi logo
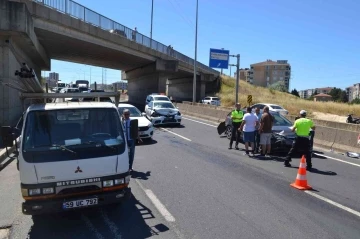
{"x": 78, "y": 170}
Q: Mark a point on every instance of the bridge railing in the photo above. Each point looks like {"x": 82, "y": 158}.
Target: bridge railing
{"x": 79, "y": 11}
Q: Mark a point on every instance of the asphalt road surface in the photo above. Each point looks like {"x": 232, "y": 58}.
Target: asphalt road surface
{"x": 187, "y": 184}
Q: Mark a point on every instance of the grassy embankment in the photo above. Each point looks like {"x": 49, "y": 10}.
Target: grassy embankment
{"x": 292, "y": 103}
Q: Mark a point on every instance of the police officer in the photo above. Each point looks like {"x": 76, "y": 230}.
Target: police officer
{"x": 236, "y": 117}
{"x": 302, "y": 128}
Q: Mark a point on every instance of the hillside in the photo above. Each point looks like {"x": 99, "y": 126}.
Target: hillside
{"x": 290, "y": 102}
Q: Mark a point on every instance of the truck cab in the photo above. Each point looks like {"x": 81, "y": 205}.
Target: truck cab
{"x": 72, "y": 156}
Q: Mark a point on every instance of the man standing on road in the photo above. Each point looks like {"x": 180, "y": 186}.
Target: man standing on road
{"x": 257, "y": 133}
{"x": 301, "y": 142}
{"x": 248, "y": 126}
{"x": 130, "y": 141}
{"x": 236, "y": 117}
{"x": 265, "y": 130}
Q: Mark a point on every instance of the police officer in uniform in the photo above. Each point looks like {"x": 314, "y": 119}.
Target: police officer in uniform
{"x": 302, "y": 128}
{"x": 236, "y": 117}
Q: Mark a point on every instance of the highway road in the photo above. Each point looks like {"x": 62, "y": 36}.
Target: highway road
{"x": 187, "y": 184}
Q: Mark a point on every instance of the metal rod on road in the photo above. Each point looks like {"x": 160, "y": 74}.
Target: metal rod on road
{"x": 196, "y": 31}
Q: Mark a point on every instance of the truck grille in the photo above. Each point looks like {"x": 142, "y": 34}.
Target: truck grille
{"x": 78, "y": 189}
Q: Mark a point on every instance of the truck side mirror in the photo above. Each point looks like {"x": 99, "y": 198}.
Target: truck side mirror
{"x": 134, "y": 127}
{"x": 7, "y": 136}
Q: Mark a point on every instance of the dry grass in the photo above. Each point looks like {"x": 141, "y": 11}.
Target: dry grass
{"x": 292, "y": 103}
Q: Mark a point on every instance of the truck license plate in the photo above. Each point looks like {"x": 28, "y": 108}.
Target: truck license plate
{"x": 80, "y": 203}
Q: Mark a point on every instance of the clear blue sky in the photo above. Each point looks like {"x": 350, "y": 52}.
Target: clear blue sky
{"x": 319, "y": 38}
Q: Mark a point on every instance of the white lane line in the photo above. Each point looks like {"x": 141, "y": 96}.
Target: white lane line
{"x": 340, "y": 160}
{"x": 356, "y": 213}
{"x": 200, "y": 122}
{"x": 113, "y": 228}
{"x": 160, "y": 207}
{"x": 176, "y": 134}
{"x": 91, "y": 227}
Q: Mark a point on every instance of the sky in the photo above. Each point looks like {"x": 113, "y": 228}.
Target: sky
{"x": 319, "y": 38}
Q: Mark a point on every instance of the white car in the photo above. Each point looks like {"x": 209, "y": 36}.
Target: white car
{"x": 162, "y": 112}
{"x": 211, "y": 100}
{"x": 146, "y": 129}
{"x": 272, "y": 107}
{"x": 156, "y": 97}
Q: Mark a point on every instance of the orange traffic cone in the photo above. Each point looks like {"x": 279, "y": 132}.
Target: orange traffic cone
{"x": 301, "y": 181}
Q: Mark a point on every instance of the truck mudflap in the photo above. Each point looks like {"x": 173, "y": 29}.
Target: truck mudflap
{"x": 37, "y": 207}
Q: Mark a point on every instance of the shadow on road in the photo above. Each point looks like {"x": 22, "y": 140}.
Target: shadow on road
{"x": 127, "y": 220}
{"x": 328, "y": 173}
{"x": 146, "y": 142}
{"x": 140, "y": 175}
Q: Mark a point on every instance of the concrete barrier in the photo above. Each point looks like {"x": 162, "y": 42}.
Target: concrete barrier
{"x": 332, "y": 124}
{"x": 341, "y": 139}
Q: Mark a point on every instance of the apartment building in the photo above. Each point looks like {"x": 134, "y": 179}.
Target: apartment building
{"x": 309, "y": 92}
{"x": 270, "y": 72}
{"x": 54, "y": 76}
{"x": 353, "y": 92}
{"x": 244, "y": 74}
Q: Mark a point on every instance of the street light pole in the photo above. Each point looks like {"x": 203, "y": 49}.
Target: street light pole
{"x": 196, "y": 31}
{"x": 152, "y": 14}
{"x": 237, "y": 75}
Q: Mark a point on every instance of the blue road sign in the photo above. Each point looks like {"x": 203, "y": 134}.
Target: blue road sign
{"x": 219, "y": 58}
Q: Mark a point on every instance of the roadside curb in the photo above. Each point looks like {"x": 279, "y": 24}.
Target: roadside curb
{"x": 11, "y": 150}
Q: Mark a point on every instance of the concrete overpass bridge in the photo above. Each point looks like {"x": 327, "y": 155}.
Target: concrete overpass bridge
{"x": 40, "y": 30}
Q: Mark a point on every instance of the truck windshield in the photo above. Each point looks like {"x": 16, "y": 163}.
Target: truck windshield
{"x": 67, "y": 134}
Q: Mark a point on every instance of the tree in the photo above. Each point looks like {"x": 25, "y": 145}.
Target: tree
{"x": 295, "y": 92}
{"x": 336, "y": 94}
{"x": 344, "y": 97}
{"x": 279, "y": 86}
{"x": 355, "y": 101}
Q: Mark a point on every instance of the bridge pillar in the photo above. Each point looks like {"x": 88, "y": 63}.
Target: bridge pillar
{"x": 149, "y": 79}
{"x": 18, "y": 44}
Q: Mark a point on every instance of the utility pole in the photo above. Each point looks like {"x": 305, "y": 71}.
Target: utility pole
{"x": 221, "y": 68}
{"x": 152, "y": 14}
{"x": 196, "y": 32}
{"x": 237, "y": 75}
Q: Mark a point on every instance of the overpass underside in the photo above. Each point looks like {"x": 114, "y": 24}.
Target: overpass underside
{"x": 32, "y": 33}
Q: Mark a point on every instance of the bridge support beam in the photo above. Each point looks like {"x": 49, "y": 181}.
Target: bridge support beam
{"x": 18, "y": 44}
{"x": 149, "y": 79}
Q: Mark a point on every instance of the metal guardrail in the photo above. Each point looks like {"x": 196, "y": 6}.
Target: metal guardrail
{"x": 79, "y": 11}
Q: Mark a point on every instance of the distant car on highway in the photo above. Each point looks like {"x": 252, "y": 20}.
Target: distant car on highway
{"x": 102, "y": 99}
{"x": 272, "y": 107}
{"x": 163, "y": 112}
{"x": 211, "y": 100}
{"x": 118, "y": 32}
{"x": 156, "y": 97}
{"x": 146, "y": 129}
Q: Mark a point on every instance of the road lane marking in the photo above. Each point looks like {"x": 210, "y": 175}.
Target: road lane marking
{"x": 91, "y": 227}
{"x": 176, "y": 134}
{"x": 340, "y": 160}
{"x": 160, "y": 207}
{"x": 113, "y": 228}
{"x": 356, "y": 213}
{"x": 200, "y": 122}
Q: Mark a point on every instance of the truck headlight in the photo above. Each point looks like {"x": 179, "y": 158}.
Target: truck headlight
{"x": 119, "y": 181}
{"x": 108, "y": 183}
{"x": 48, "y": 190}
{"x": 127, "y": 179}
{"x": 34, "y": 191}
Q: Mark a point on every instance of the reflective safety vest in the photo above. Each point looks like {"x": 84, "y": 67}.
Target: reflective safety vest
{"x": 237, "y": 116}
{"x": 303, "y": 126}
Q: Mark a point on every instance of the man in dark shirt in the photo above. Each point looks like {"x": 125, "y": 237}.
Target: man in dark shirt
{"x": 265, "y": 130}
